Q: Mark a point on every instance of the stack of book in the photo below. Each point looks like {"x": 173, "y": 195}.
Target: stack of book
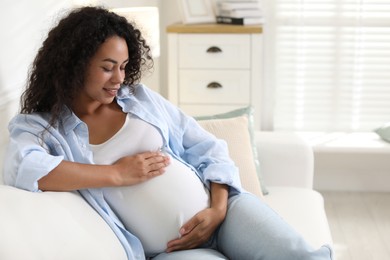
{"x": 239, "y": 12}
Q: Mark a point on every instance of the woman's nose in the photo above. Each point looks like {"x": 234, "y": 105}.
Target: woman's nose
{"x": 118, "y": 76}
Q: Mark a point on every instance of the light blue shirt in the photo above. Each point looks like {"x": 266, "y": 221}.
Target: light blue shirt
{"x": 34, "y": 150}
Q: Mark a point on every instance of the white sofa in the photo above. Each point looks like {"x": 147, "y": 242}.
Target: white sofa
{"x": 61, "y": 225}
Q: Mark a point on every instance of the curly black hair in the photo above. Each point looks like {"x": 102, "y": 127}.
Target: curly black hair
{"x": 59, "y": 69}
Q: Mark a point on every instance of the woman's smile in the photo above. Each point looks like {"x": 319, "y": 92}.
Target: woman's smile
{"x": 111, "y": 91}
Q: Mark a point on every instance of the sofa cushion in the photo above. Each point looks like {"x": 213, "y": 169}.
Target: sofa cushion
{"x": 235, "y": 132}
{"x": 247, "y": 112}
{"x": 304, "y": 210}
{"x": 384, "y": 132}
{"x": 53, "y": 225}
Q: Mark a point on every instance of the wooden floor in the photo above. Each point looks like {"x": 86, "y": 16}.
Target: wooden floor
{"x": 360, "y": 224}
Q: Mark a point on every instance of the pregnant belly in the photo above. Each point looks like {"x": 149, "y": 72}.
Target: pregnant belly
{"x": 155, "y": 210}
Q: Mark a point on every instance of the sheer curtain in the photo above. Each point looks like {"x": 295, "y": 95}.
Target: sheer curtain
{"x": 327, "y": 64}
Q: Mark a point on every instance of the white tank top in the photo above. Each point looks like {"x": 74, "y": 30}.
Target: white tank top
{"x": 135, "y": 136}
{"x": 155, "y": 210}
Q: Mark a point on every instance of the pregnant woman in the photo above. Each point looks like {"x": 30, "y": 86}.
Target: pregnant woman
{"x": 166, "y": 187}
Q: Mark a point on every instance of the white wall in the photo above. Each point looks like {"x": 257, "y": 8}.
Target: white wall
{"x": 23, "y": 25}
{"x": 169, "y": 14}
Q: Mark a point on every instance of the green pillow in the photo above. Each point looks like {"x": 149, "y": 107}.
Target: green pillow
{"x": 248, "y": 112}
{"x": 384, "y": 132}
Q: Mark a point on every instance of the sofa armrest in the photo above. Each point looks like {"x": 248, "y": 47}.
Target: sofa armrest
{"x": 53, "y": 225}
{"x": 285, "y": 159}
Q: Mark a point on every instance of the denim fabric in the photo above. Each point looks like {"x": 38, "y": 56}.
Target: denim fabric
{"x": 253, "y": 231}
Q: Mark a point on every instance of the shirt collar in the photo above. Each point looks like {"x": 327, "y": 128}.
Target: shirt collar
{"x": 69, "y": 120}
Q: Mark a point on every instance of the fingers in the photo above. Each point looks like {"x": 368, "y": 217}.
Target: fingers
{"x": 186, "y": 242}
{"x": 154, "y": 157}
{"x": 158, "y": 161}
{"x": 134, "y": 169}
{"x": 196, "y": 231}
{"x": 153, "y": 163}
{"x": 151, "y": 155}
{"x": 190, "y": 225}
{"x": 192, "y": 235}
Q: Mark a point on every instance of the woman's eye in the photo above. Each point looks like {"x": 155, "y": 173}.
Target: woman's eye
{"x": 106, "y": 69}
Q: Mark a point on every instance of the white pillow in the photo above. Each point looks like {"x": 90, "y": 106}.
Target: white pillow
{"x": 235, "y": 132}
{"x": 53, "y": 225}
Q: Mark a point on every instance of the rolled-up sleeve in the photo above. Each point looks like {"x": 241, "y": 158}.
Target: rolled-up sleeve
{"x": 209, "y": 156}
{"x": 27, "y": 159}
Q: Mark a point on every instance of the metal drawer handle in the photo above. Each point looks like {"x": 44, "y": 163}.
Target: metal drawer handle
{"x": 214, "y": 85}
{"x": 213, "y": 49}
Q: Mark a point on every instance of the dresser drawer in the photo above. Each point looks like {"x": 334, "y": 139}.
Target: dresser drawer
{"x": 214, "y": 87}
{"x": 223, "y": 51}
{"x": 207, "y": 110}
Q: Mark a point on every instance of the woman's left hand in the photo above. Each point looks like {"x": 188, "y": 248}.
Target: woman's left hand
{"x": 198, "y": 229}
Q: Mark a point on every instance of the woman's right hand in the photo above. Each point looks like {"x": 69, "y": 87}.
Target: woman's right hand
{"x": 140, "y": 167}
{"x": 129, "y": 170}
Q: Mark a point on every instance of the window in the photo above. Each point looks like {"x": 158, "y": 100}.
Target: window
{"x": 328, "y": 62}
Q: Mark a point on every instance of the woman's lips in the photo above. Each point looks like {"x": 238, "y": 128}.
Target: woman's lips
{"x": 111, "y": 91}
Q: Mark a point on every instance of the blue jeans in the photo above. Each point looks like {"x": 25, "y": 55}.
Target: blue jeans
{"x": 251, "y": 231}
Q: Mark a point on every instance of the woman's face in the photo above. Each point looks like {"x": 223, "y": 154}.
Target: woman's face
{"x": 106, "y": 71}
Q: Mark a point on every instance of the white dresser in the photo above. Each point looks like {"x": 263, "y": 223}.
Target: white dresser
{"x": 215, "y": 68}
